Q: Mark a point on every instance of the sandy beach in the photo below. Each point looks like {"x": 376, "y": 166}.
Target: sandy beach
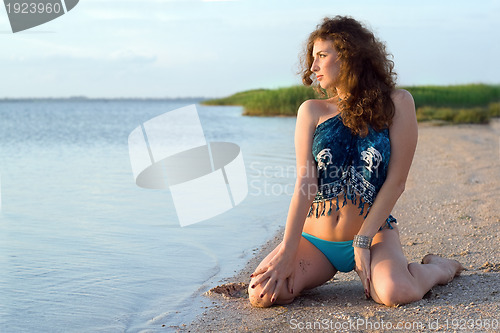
{"x": 450, "y": 207}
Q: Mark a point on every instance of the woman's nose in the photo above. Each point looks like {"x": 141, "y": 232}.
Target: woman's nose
{"x": 314, "y": 66}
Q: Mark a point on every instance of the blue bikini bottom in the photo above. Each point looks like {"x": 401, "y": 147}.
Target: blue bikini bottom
{"x": 340, "y": 254}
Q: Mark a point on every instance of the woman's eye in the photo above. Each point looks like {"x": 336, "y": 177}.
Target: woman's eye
{"x": 322, "y": 55}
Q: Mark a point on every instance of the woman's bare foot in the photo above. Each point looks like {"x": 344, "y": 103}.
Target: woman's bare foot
{"x": 451, "y": 268}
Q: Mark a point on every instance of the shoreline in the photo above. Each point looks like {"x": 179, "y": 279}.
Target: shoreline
{"x": 453, "y": 186}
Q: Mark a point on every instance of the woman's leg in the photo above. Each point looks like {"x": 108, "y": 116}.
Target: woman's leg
{"x": 394, "y": 281}
{"x": 312, "y": 269}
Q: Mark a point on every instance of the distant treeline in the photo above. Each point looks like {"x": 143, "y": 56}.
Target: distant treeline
{"x": 471, "y": 103}
{"x": 103, "y": 99}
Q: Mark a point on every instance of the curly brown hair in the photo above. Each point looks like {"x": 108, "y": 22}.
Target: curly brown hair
{"x": 366, "y": 73}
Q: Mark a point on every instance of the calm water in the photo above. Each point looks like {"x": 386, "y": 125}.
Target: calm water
{"x": 82, "y": 248}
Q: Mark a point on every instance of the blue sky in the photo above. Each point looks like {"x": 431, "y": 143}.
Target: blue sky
{"x": 181, "y": 48}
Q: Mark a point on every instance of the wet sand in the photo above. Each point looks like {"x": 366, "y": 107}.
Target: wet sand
{"x": 450, "y": 207}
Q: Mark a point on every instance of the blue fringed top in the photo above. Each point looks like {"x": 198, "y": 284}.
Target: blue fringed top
{"x": 349, "y": 164}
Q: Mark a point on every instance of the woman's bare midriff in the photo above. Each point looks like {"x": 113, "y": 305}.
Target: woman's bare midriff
{"x": 339, "y": 226}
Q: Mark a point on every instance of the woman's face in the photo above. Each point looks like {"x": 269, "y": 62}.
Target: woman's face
{"x": 326, "y": 63}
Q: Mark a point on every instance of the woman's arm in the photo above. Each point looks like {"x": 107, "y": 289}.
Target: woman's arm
{"x": 306, "y": 185}
{"x": 280, "y": 268}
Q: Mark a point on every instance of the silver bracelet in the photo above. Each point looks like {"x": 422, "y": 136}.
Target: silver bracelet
{"x": 362, "y": 241}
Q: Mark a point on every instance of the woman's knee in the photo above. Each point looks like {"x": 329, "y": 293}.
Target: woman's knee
{"x": 393, "y": 292}
{"x": 254, "y": 296}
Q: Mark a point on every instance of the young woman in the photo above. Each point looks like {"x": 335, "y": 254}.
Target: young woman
{"x": 353, "y": 152}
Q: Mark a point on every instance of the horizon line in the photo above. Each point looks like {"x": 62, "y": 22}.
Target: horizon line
{"x": 199, "y": 98}
{"x": 85, "y": 98}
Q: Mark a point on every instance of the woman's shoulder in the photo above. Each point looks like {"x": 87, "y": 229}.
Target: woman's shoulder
{"x": 401, "y": 96}
{"x": 316, "y": 108}
{"x": 314, "y": 105}
{"x": 403, "y": 101}
{"x": 315, "y": 111}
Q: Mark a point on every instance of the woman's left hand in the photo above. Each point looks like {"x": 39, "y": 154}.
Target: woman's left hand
{"x": 363, "y": 267}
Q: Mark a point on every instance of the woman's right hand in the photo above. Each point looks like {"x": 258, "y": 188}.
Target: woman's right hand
{"x": 279, "y": 270}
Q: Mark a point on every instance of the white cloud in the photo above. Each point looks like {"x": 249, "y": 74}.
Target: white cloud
{"x": 249, "y": 44}
{"x": 130, "y": 55}
{"x": 115, "y": 14}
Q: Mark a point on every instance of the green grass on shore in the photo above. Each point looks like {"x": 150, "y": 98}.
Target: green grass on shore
{"x": 268, "y": 102}
{"x": 459, "y": 96}
{"x": 471, "y": 103}
{"x": 236, "y": 99}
